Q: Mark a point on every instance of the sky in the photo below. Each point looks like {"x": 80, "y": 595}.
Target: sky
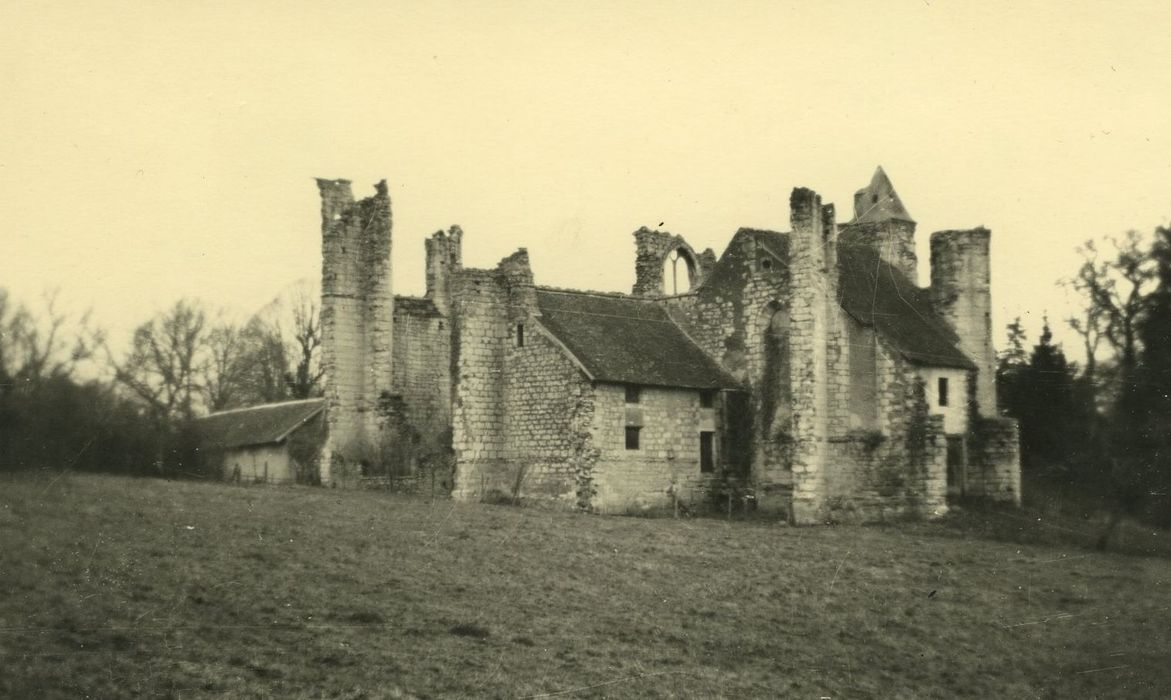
{"x": 153, "y": 151}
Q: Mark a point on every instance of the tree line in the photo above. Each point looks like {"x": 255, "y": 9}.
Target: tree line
{"x": 69, "y": 399}
{"x": 1103, "y": 427}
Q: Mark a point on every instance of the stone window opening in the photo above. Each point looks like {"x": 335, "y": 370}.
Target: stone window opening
{"x": 707, "y": 398}
{"x": 678, "y": 270}
{"x": 766, "y": 264}
{"x": 942, "y": 392}
{"x": 707, "y": 452}
{"x": 632, "y": 432}
{"x": 633, "y": 393}
{"x": 520, "y": 335}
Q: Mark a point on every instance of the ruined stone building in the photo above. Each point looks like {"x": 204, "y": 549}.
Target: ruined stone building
{"x": 805, "y": 373}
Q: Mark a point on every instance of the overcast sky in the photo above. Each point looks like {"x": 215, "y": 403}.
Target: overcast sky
{"x": 150, "y": 151}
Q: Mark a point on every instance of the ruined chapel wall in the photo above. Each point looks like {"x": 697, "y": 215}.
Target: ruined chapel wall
{"x": 422, "y": 376}
{"x": 667, "y": 463}
{"x": 899, "y": 469}
{"x": 730, "y": 318}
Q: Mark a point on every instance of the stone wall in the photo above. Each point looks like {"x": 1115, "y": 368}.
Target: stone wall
{"x": 652, "y": 249}
{"x": 480, "y": 314}
{"x": 993, "y": 469}
{"x": 961, "y": 294}
{"x": 730, "y": 318}
{"x": 549, "y": 405}
{"x": 666, "y": 466}
{"x": 357, "y": 309}
{"x": 422, "y": 376}
{"x": 893, "y": 239}
{"x": 808, "y": 344}
{"x": 900, "y": 467}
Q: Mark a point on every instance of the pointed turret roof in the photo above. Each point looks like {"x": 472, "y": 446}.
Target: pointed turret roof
{"x": 879, "y": 202}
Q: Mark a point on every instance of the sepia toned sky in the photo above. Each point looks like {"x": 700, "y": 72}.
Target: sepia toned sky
{"x": 150, "y": 151}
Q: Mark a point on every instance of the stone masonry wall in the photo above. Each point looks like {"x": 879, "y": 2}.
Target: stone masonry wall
{"x": 729, "y": 318}
{"x": 894, "y": 240}
{"x": 899, "y": 469}
{"x": 480, "y": 312}
{"x": 961, "y": 294}
{"x": 357, "y": 309}
{"x": 549, "y": 404}
{"x": 808, "y": 344}
{"x": 667, "y": 464}
{"x": 993, "y": 469}
{"x": 422, "y": 376}
{"x": 651, "y": 250}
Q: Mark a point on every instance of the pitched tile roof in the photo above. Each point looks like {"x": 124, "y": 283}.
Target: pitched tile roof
{"x": 628, "y": 340}
{"x": 256, "y": 425}
{"x": 878, "y": 295}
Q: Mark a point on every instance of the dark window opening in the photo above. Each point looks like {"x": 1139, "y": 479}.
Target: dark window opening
{"x": 874, "y": 199}
{"x": 632, "y": 393}
{"x": 707, "y": 457}
{"x": 943, "y": 391}
{"x": 632, "y": 437}
{"x": 766, "y": 264}
{"x": 520, "y": 335}
{"x": 707, "y": 399}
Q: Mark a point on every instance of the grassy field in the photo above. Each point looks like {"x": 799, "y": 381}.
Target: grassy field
{"x": 113, "y": 587}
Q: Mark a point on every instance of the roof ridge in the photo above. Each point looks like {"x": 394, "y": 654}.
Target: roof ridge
{"x": 589, "y": 292}
{"x": 265, "y": 405}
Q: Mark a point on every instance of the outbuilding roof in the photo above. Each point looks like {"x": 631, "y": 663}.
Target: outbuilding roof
{"x": 257, "y": 425}
{"x": 877, "y": 294}
{"x": 628, "y": 340}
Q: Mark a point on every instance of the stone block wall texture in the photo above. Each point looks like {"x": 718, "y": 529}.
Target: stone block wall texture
{"x": 549, "y": 407}
{"x": 357, "y": 310}
{"x": 808, "y": 344}
{"x": 422, "y": 376}
{"x": 667, "y": 464}
{"x": 730, "y": 318}
{"x": 961, "y": 294}
{"x": 893, "y": 239}
{"x": 481, "y": 317}
{"x": 993, "y": 469}
{"x": 898, "y": 469}
{"x": 444, "y": 252}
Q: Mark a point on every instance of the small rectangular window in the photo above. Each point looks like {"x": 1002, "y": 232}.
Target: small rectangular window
{"x": 632, "y": 393}
{"x": 520, "y": 335}
{"x": 706, "y": 399}
{"x": 632, "y": 437}
{"x": 707, "y": 456}
{"x": 943, "y": 391}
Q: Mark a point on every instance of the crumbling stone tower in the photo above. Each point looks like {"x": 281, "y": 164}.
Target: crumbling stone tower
{"x": 961, "y": 292}
{"x": 357, "y": 324}
{"x": 883, "y": 223}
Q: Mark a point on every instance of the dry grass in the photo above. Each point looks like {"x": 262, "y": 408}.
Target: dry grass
{"x": 113, "y": 587}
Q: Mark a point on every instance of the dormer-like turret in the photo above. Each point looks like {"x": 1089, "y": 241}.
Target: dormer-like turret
{"x": 883, "y": 222}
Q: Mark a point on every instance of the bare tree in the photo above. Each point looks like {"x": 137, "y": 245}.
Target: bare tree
{"x": 167, "y": 362}
{"x": 307, "y": 375}
{"x": 226, "y": 366}
{"x": 1113, "y": 288}
{"x": 33, "y": 349}
{"x": 292, "y": 321}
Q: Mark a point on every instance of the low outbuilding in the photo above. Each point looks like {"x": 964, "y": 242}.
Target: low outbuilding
{"x": 272, "y": 443}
